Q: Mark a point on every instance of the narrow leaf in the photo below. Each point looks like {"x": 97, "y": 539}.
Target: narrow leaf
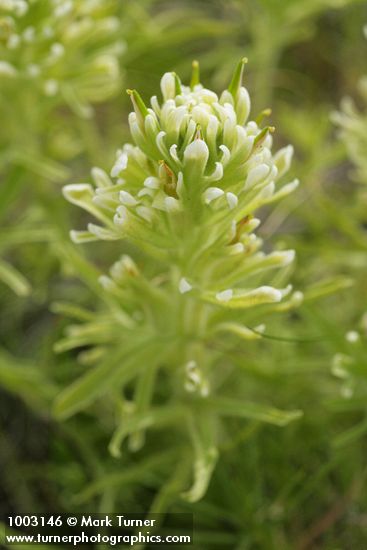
{"x": 15, "y": 280}
{"x": 202, "y": 434}
{"x": 137, "y": 473}
{"x": 231, "y": 407}
{"x": 155, "y": 417}
{"x": 118, "y": 369}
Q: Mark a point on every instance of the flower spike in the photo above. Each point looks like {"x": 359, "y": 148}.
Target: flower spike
{"x": 184, "y": 195}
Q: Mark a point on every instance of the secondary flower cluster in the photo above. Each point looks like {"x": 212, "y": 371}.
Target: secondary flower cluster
{"x": 68, "y": 50}
{"x": 353, "y": 124}
{"x": 348, "y": 364}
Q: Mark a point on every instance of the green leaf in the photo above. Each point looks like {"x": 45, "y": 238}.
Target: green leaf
{"x": 133, "y": 474}
{"x": 236, "y": 81}
{"x": 241, "y": 331}
{"x": 15, "y": 280}
{"x": 160, "y": 416}
{"x": 231, "y": 407}
{"x": 143, "y": 396}
{"x": 11, "y": 236}
{"x": 113, "y": 373}
{"x": 138, "y": 104}
{"x": 203, "y": 436}
{"x": 71, "y": 310}
{"x": 41, "y": 165}
{"x": 76, "y": 102}
{"x": 326, "y": 287}
{"x": 348, "y": 437}
{"x": 26, "y": 381}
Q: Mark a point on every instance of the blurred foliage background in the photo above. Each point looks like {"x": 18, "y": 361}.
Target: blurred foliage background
{"x": 64, "y": 68}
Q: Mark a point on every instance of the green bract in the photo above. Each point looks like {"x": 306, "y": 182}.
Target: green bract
{"x": 184, "y": 195}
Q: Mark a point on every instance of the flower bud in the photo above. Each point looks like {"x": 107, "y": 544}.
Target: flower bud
{"x": 168, "y": 86}
{"x": 196, "y": 157}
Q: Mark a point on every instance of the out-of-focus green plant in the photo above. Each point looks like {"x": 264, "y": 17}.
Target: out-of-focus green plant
{"x": 348, "y": 364}
{"x": 353, "y": 124}
{"x": 255, "y": 27}
{"x": 62, "y": 52}
{"x": 184, "y": 195}
{"x": 59, "y": 54}
{"x": 52, "y": 55}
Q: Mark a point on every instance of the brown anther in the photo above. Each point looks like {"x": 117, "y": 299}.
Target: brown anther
{"x": 166, "y": 168}
{"x": 198, "y": 134}
{"x": 240, "y": 227}
{"x": 170, "y": 182}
